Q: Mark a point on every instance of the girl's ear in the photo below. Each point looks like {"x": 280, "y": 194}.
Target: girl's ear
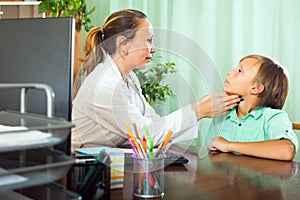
{"x": 257, "y": 88}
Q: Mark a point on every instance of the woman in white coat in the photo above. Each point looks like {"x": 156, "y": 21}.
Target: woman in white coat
{"x": 110, "y": 94}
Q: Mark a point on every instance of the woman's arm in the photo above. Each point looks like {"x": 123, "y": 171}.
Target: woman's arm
{"x": 271, "y": 149}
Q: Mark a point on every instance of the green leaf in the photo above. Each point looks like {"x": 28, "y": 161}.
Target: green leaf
{"x": 66, "y": 13}
{"x": 70, "y": 5}
{"x": 152, "y": 80}
{"x": 53, "y": 14}
{"x": 72, "y": 8}
{"x": 44, "y": 6}
{"x": 91, "y": 11}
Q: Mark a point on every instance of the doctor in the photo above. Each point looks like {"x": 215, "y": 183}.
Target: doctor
{"x": 110, "y": 94}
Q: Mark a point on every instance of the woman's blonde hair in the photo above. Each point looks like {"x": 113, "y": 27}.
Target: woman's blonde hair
{"x": 101, "y": 41}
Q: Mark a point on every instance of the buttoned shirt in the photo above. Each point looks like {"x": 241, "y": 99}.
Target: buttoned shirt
{"x": 261, "y": 124}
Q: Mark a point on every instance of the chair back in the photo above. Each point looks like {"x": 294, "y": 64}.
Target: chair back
{"x": 296, "y": 126}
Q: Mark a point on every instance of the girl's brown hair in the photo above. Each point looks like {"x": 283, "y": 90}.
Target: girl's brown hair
{"x": 276, "y": 84}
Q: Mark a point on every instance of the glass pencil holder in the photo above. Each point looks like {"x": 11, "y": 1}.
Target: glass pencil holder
{"x": 148, "y": 179}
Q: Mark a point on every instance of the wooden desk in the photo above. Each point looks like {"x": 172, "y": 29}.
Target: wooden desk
{"x": 224, "y": 176}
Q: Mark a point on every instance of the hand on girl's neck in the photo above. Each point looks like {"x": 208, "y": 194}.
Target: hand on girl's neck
{"x": 243, "y": 109}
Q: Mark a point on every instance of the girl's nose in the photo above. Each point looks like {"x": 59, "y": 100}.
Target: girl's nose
{"x": 230, "y": 72}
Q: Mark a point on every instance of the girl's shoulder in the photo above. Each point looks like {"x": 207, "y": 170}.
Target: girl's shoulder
{"x": 271, "y": 112}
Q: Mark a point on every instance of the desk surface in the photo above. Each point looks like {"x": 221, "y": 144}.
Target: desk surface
{"x": 224, "y": 176}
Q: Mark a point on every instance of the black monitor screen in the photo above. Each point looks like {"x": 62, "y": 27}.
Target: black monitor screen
{"x": 37, "y": 50}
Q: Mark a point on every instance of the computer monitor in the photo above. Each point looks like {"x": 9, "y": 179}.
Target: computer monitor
{"x": 38, "y": 50}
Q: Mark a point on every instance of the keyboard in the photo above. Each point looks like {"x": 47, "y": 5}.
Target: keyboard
{"x": 170, "y": 159}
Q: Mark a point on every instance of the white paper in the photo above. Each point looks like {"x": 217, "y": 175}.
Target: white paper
{"x": 96, "y": 150}
{"x": 21, "y": 138}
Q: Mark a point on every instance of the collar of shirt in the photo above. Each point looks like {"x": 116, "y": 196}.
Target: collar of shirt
{"x": 254, "y": 113}
{"x": 126, "y": 79}
{"x": 110, "y": 63}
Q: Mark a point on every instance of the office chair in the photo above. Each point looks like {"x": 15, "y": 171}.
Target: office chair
{"x": 24, "y": 87}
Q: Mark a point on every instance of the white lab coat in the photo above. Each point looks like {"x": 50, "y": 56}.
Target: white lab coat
{"x": 104, "y": 103}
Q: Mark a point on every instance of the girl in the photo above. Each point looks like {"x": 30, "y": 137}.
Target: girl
{"x": 257, "y": 126}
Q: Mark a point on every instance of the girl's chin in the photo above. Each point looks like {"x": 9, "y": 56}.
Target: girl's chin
{"x": 231, "y": 93}
{"x": 227, "y": 91}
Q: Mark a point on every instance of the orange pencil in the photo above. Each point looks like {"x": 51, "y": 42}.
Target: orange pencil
{"x": 137, "y": 145}
{"x": 165, "y": 142}
{"x": 128, "y": 135}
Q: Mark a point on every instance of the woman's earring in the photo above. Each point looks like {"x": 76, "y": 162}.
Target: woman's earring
{"x": 124, "y": 52}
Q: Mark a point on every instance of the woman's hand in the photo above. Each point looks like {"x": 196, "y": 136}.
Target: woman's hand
{"x": 215, "y": 105}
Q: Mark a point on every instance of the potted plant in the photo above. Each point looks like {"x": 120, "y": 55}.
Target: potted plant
{"x": 68, "y": 8}
{"x": 152, "y": 80}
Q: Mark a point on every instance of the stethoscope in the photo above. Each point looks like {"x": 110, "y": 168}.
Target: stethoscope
{"x": 134, "y": 86}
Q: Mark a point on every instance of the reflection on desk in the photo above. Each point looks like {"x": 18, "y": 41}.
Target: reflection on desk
{"x": 225, "y": 176}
